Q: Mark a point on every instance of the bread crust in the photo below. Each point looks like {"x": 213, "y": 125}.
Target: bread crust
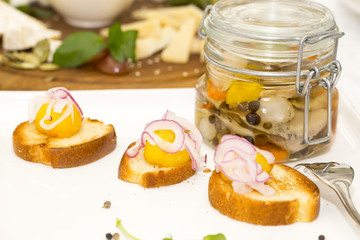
{"x": 297, "y": 199}
{"x": 154, "y": 176}
{"x": 34, "y": 146}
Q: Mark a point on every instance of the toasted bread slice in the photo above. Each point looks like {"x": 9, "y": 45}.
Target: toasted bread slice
{"x": 94, "y": 140}
{"x": 297, "y": 199}
{"x": 138, "y": 170}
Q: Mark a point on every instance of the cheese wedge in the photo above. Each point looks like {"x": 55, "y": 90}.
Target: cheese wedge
{"x": 166, "y": 20}
{"x": 21, "y": 31}
{"x": 145, "y": 47}
{"x": 23, "y": 37}
{"x": 178, "y": 51}
{"x": 11, "y": 17}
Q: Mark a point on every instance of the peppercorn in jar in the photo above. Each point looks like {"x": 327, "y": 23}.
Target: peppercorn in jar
{"x": 271, "y": 75}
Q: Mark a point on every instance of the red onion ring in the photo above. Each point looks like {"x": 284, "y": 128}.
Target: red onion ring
{"x": 134, "y": 150}
{"x": 62, "y": 93}
{"x": 263, "y": 188}
{"x": 154, "y": 139}
{"x": 193, "y": 133}
{"x": 262, "y": 177}
{"x": 235, "y": 157}
{"x": 187, "y": 136}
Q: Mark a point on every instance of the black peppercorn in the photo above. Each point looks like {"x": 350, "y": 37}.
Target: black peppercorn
{"x": 254, "y": 106}
{"x": 212, "y": 119}
{"x": 107, "y": 204}
{"x": 108, "y": 236}
{"x": 253, "y": 118}
{"x": 215, "y": 141}
{"x": 218, "y": 125}
{"x": 116, "y": 236}
{"x": 321, "y": 237}
{"x": 250, "y": 139}
{"x": 267, "y": 125}
{"x": 243, "y": 106}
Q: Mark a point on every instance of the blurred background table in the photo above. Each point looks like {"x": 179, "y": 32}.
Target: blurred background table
{"x": 148, "y": 73}
{"x": 347, "y": 15}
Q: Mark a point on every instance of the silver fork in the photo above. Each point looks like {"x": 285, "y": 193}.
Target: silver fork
{"x": 339, "y": 177}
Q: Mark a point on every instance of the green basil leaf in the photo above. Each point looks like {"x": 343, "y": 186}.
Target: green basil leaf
{"x": 122, "y": 44}
{"x": 77, "y": 48}
{"x": 218, "y": 236}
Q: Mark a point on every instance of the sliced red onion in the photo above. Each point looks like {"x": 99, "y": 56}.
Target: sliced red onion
{"x": 236, "y": 170}
{"x": 34, "y": 105}
{"x": 69, "y": 111}
{"x": 262, "y": 177}
{"x": 62, "y": 93}
{"x": 193, "y": 133}
{"x": 150, "y": 135}
{"x": 59, "y": 105}
{"x": 187, "y": 137}
{"x": 236, "y": 159}
{"x": 134, "y": 150}
{"x": 263, "y": 188}
{"x": 241, "y": 188}
{"x": 194, "y": 155}
{"x": 259, "y": 169}
{"x": 58, "y": 99}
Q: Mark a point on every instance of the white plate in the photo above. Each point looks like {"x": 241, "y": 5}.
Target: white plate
{"x": 38, "y": 202}
{"x": 354, "y": 5}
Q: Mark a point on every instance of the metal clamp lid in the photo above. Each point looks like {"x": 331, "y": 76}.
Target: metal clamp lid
{"x": 303, "y": 88}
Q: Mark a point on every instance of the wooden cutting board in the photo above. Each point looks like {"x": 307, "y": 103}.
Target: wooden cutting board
{"x": 147, "y": 73}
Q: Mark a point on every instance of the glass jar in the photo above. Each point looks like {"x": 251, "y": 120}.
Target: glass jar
{"x": 271, "y": 75}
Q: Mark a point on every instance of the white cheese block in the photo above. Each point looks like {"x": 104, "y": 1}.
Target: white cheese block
{"x": 145, "y": 47}
{"x": 166, "y": 20}
{"x": 180, "y": 12}
{"x": 145, "y": 28}
{"x": 197, "y": 45}
{"x": 178, "y": 51}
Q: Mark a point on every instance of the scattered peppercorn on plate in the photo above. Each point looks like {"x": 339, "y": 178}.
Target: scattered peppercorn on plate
{"x": 84, "y": 202}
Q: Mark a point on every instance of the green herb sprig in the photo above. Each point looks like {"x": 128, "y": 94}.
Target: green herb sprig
{"x": 119, "y": 225}
{"x": 218, "y": 236}
{"x": 79, "y": 47}
{"x": 123, "y": 230}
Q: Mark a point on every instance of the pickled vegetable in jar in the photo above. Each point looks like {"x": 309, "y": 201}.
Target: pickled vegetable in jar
{"x": 271, "y": 75}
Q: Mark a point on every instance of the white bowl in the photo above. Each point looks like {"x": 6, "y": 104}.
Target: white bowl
{"x": 90, "y": 13}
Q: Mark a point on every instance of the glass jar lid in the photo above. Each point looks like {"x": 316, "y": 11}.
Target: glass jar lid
{"x": 273, "y": 19}
{"x": 271, "y": 33}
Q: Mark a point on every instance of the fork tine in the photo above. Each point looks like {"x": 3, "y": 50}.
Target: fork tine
{"x": 340, "y": 184}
